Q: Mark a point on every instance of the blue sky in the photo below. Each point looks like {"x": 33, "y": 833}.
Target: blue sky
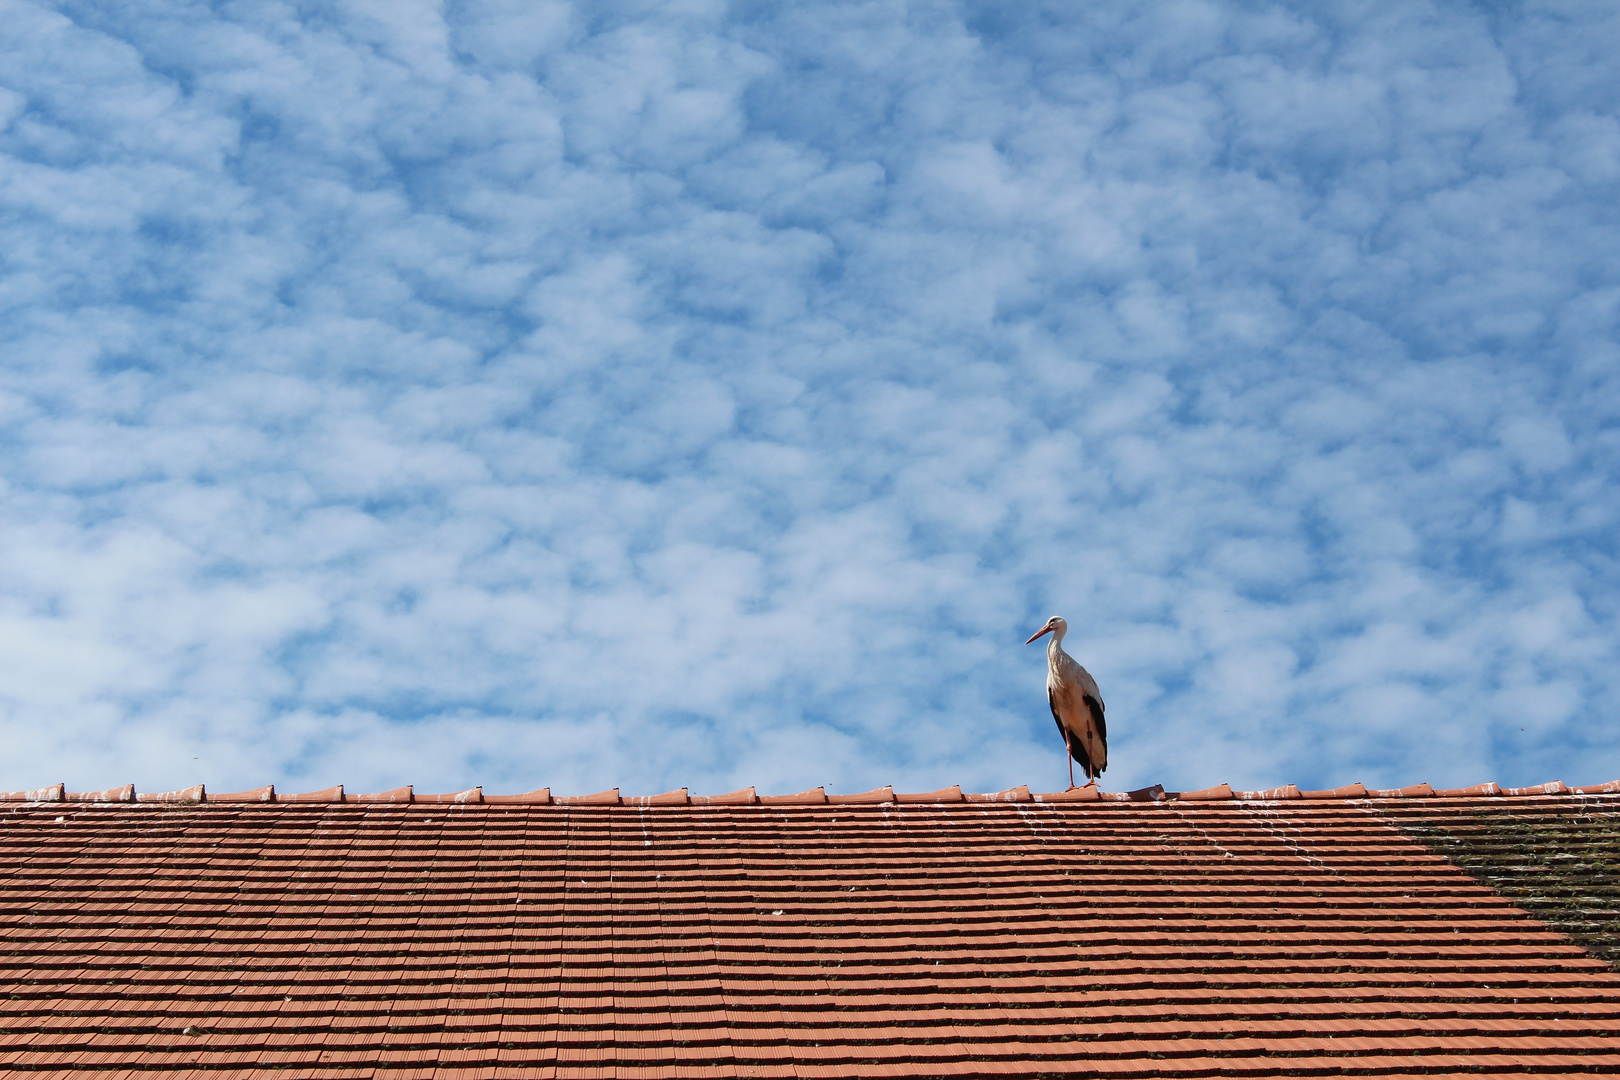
{"x": 529, "y": 393}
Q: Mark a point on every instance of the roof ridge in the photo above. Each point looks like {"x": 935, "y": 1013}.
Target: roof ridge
{"x": 816, "y": 796}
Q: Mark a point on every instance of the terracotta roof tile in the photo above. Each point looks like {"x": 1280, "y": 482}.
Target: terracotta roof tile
{"x": 394, "y": 795}
{"x": 1348, "y": 791}
{"x": 49, "y": 793}
{"x": 743, "y": 797}
{"x": 876, "y": 795}
{"x": 1140, "y": 934}
{"x": 678, "y": 797}
{"x": 804, "y": 798}
{"x": 1416, "y": 791}
{"x": 1556, "y": 787}
{"x": 1017, "y": 794}
{"x": 326, "y": 795}
{"x": 190, "y": 794}
{"x": 950, "y": 794}
{"x": 1612, "y": 787}
{"x": 1287, "y": 791}
{"x": 125, "y": 793}
{"x": 1156, "y": 793}
{"x": 1220, "y": 791}
{"x": 1076, "y": 794}
{"x": 540, "y": 797}
{"x": 609, "y": 797}
{"x": 263, "y": 794}
{"x": 1476, "y": 791}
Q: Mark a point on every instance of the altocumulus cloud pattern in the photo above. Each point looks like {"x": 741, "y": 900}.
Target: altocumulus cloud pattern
{"x": 655, "y": 394}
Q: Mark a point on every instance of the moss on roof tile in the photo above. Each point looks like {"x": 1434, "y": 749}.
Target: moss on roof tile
{"x": 1560, "y": 863}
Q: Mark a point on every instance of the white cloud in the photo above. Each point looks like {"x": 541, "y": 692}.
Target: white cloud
{"x": 527, "y": 394}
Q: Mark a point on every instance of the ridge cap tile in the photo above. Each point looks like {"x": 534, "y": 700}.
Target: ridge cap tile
{"x": 1356, "y": 790}
{"x": 1017, "y": 794}
{"x": 325, "y": 795}
{"x": 261, "y": 794}
{"x": 1088, "y": 793}
{"x": 1552, "y": 787}
{"x": 945, "y": 794}
{"x": 471, "y": 795}
{"x": 741, "y": 797}
{"x": 1276, "y": 794}
{"x": 195, "y": 793}
{"x": 1414, "y": 791}
{"x": 48, "y": 793}
{"x": 1488, "y": 788}
{"x": 884, "y": 794}
{"x": 1151, "y": 793}
{"x": 392, "y": 795}
{"x": 610, "y": 797}
{"x": 815, "y": 796}
{"x": 1209, "y": 794}
{"x": 678, "y": 797}
{"x": 537, "y": 797}
{"x": 122, "y": 793}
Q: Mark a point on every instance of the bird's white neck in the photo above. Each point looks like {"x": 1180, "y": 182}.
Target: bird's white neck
{"x": 1054, "y": 648}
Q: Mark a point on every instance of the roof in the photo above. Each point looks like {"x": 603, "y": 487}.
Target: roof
{"x": 1008, "y": 936}
{"x": 749, "y": 797}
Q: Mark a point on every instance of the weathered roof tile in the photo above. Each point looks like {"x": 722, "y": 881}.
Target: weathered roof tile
{"x": 190, "y": 794}
{"x": 393, "y": 795}
{"x": 48, "y": 793}
{"x": 1348, "y": 791}
{"x": 538, "y": 797}
{"x": 1556, "y": 787}
{"x": 325, "y": 795}
{"x": 1219, "y": 791}
{"x": 949, "y": 794}
{"x": 610, "y": 797}
{"x": 1017, "y": 794}
{"x": 1142, "y": 934}
{"x": 471, "y": 795}
{"x": 263, "y": 794}
{"x": 1416, "y": 791}
{"x": 813, "y": 797}
{"x": 1476, "y": 791}
{"x": 124, "y": 793}
{"x": 876, "y": 795}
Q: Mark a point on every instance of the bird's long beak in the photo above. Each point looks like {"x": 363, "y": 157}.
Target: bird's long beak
{"x": 1038, "y": 633}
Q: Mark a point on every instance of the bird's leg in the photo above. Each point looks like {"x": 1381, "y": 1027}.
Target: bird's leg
{"x": 1071, "y": 765}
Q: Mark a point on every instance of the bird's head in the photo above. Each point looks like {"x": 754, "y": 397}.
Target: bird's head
{"x": 1055, "y": 625}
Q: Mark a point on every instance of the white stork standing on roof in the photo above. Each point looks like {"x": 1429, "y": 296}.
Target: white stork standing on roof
{"x": 1077, "y": 704}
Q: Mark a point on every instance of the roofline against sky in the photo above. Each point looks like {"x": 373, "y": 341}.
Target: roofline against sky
{"x": 57, "y": 793}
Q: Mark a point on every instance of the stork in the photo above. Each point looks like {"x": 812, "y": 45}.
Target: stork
{"x": 1077, "y": 704}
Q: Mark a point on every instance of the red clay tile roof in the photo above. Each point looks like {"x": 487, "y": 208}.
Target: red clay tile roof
{"x": 392, "y": 936}
{"x": 815, "y": 796}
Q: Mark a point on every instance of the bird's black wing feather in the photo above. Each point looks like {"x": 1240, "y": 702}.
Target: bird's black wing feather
{"x": 1097, "y": 718}
{"x": 1096, "y": 708}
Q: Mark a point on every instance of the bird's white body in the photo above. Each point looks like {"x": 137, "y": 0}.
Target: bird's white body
{"x": 1077, "y": 703}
